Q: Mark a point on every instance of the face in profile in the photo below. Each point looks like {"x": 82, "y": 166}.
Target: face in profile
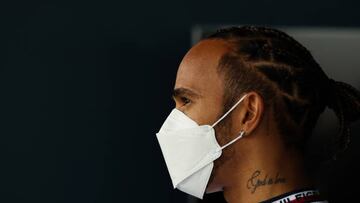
{"x": 199, "y": 93}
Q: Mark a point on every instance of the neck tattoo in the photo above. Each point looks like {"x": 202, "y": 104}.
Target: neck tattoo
{"x": 257, "y": 180}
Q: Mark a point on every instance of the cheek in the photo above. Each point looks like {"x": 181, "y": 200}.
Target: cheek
{"x": 219, "y": 174}
{"x": 224, "y": 135}
{"x": 206, "y": 112}
{"x": 223, "y": 132}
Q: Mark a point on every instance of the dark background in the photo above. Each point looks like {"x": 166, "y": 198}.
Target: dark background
{"x": 85, "y": 85}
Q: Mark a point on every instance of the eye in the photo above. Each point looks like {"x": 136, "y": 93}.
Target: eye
{"x": 185, "y": 100}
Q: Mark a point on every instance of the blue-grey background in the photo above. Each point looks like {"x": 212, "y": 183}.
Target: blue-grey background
{"x": 85, "y": 85}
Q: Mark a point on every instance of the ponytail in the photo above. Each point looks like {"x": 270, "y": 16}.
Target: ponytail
{"x": 344, "y": 100}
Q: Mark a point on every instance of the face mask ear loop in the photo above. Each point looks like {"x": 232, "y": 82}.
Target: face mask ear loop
{"x": 232, "y": 108}
{"x": 232, "y": 141}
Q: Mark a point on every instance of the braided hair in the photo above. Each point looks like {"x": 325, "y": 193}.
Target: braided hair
{"x": 288, "y": 78}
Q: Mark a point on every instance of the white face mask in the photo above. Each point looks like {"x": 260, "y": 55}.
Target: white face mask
{"x": 189, "y": 151}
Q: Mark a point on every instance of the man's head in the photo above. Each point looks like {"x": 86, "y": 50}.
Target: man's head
{"x": 283, "y": 82}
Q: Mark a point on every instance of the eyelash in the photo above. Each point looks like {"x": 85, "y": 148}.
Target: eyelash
{"x": 185, "y": 100}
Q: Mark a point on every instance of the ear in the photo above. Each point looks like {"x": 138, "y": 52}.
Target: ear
{"x": 251, "y": 112}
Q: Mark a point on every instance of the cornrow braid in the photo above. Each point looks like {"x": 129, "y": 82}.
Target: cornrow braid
{"x": 288, "y": 78}
{"x": 345, "y": 102}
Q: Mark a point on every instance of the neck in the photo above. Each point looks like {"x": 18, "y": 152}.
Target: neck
{"x": 271, "y": 173}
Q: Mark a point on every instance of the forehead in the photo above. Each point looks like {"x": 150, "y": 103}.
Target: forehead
{"x": 198, "y": 69}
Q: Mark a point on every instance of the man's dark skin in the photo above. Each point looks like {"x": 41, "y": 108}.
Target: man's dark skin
{"x": 258, "y": 166}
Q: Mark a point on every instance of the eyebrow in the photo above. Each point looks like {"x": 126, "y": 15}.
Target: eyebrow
{"x": 181, "y": 91}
